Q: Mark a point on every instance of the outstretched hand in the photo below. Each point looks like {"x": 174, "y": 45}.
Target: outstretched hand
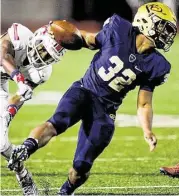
{"x": 151, "y": 139}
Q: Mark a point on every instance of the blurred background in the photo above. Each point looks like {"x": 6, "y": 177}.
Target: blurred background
{"x": 127, "y": 162}
{"x": 88, "y": 14}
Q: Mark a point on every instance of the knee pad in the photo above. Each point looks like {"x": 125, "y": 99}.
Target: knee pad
{"x": 81, "y": 167}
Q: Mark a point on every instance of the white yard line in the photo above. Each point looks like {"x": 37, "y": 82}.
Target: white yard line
{"x": 101, "y": 188}
{"x": 102, "y": 160}
{"x": 120, "y": 159}
{"x": 45, "y": 97}
{"x": 120, "y": 138}
{"x": 122, "y": 120}
{"x": 125, "y": 120}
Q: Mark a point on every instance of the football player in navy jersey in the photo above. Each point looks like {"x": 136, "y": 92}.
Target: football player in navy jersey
{"x": 126, "y": 58}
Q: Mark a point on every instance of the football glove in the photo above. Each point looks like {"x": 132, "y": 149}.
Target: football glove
{"x": 24, "y": 90}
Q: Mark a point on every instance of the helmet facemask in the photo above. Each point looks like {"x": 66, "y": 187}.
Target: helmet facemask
{"x": 43, "y": 50}
{"x": 164, "y": 33}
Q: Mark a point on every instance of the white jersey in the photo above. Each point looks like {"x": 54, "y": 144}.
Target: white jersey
{"x": 19, "y": 36}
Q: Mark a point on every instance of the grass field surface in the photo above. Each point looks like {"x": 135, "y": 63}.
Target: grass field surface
{"x": 126, "y": 166}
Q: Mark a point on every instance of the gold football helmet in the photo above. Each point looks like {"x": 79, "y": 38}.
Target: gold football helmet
{"x": 157, "y": 22}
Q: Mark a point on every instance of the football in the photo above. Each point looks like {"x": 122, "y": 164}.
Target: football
{"x": 66, "y": 34}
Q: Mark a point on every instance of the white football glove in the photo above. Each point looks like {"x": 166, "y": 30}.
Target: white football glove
{"x": 24, "y": 91}
{"x": 37, "y": 75}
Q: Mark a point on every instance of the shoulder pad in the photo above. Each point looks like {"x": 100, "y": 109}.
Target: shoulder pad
{"x": 19, "y": 36}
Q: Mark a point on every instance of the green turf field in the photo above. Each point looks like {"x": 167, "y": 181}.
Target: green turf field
{"x": 126, "y": 166}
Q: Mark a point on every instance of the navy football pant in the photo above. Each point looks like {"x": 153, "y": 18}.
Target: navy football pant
{"x": 96, "y": 129}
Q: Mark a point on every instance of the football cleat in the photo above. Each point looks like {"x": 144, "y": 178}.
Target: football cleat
{"x": 171, "y": 171}
{"x": 19, "y": 154}
{"x": 64, "y": 192}
{"x": 27, "y": 184}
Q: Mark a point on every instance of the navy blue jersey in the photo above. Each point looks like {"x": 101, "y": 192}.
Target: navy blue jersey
{"x": 117, "y": 68}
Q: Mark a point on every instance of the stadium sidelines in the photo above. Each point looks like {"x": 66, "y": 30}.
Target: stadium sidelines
{"x": 122, "y": 120}
{"x": 102, "y": 188}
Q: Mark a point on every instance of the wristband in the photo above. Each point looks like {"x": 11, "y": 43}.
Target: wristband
{"x": 12, "y": 109}
{"x": 17, "y": 76}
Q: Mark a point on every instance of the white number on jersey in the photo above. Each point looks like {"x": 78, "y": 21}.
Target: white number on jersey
{"x": 117, "y": 83}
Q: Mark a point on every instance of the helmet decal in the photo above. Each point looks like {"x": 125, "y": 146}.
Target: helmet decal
{"x": 155, "y": 8}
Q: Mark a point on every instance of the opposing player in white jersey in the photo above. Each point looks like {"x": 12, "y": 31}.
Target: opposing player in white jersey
{"x": 26, "y": 58}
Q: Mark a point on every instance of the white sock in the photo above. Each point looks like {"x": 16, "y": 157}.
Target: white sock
{"x": 22, "y": 173}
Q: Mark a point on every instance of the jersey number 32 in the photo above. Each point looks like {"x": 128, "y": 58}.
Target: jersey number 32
{"x": 118, "y": 82}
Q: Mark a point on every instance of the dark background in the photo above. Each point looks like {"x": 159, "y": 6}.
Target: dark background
{"x": 100, "y": 10}
{"x": 86, "y": 14}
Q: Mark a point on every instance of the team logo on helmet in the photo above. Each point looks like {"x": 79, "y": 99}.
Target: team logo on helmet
{"x": 155, "y": 8}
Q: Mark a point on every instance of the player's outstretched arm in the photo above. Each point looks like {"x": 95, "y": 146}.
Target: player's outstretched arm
{"x": 89, "y": 40}
{"x": 8, "y": 63}
{"x": 145, "y": 116}
{"x": 70, "y": 37}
